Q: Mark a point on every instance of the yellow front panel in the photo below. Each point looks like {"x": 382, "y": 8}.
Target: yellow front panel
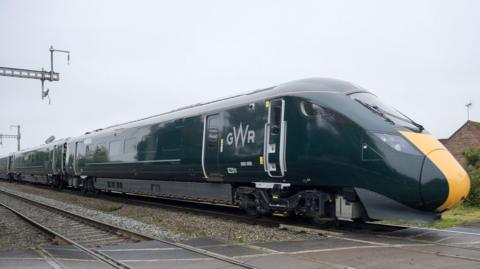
{"x": 458, "y": 180}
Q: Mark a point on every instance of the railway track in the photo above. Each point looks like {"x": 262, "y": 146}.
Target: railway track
{"x": 343, "y": 230}
{"x": 86, "y": 233}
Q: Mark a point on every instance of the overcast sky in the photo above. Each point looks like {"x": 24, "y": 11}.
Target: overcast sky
{"x": 132, "y": 59}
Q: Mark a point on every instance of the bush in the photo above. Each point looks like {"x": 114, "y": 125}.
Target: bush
{"x": 472, "y": 156}
{"x": 474, "y": 198}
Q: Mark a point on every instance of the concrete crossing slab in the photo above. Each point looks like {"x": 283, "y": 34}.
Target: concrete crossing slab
{"x": 409, "y": 248}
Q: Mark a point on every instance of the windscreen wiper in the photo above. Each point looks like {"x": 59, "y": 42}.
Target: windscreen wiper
{"x": 418, "y": 125}
{"x": 406, "y": 119}
{"x": 376, "y": 111}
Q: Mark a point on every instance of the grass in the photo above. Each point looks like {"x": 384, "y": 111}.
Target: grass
{"x": 111, "y": 208}
{"x": 460, "y": 215}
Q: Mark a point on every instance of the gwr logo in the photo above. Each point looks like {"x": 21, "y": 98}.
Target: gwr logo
{"x": 241, "y": 135}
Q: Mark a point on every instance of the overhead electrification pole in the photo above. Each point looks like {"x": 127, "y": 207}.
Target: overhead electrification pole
{"x": 42, "y": 75}
{"x": 9, "y": 136}
{"x": 19, "y": 136}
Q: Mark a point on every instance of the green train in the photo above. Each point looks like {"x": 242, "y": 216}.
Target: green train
{"x": 319, "y": 148}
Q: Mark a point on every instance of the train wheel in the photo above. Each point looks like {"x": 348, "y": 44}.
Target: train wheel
{"x": 251, "y": 208}
{"x": 87, "y": 186}
{"x": 248, "y": 203}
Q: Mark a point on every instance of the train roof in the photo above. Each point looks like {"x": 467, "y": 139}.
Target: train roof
{"x": 289, "y": 88}
{"x": 51, "y": 144}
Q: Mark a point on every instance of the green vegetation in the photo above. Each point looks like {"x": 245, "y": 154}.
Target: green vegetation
{"x": 473, "y": 198}
{"x": 111, "y": 208}
{"x": 458, "y": 216}
{"x": 472, "y": 156}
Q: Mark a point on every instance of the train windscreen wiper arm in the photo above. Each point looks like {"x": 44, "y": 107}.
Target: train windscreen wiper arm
{"x": 406, "y": 119}
{"x": 376, "y": 111}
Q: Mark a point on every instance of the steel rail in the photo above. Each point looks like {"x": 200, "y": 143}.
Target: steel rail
{"x": 135, "y": 234}
{"x": 95, "y": 254}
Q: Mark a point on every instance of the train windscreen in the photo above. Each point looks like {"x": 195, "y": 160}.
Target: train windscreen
{"x": 390, "y": 114}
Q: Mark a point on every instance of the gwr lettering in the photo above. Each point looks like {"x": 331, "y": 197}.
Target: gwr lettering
{"x": 241, "y": 135}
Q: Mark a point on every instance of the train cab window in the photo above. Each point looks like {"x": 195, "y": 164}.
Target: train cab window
{"x": 115, "y": 148}
{"x": 130, "y": 145}
{"x": 310, "y": 109}
{"x": 212, "y": 137}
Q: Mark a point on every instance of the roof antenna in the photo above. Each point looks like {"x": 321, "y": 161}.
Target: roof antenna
{"x": 468, "y": 106}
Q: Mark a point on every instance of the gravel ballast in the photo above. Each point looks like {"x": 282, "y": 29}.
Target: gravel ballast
{"x": 16, "y": 233}
{"x": 156, "y": 221}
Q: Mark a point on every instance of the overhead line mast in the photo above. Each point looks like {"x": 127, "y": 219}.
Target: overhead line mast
{"x": 42, "y": 75}
{"x": 9, "y": 136}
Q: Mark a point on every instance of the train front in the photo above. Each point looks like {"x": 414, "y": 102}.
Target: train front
{"x": 425, "y": 178}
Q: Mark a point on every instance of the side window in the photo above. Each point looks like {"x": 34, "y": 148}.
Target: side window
{"x": 149, "y": 143}
{"x": 172, "y": 140}
{"x": 213, "y": 130}
{"x": 130, "y": 145}
{"x": 115, "y": 148}
{"x": 276, "y": 117}
{"x": 101, "y": 149}
{"x": 80, "y": 149}
{"x": 212, "y": 137}
{"x": 88, "y": 150}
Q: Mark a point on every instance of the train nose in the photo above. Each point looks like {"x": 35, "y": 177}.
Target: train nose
{"x": 440, "y": 173}
{"x": 443, "y": 183}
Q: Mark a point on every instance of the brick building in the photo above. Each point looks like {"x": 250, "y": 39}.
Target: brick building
{"x": 467, "y": 136}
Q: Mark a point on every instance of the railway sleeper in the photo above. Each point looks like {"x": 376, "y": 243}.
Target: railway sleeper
{"x": 104, "y": 240}
{"x": 91, "y": 236}
{"x": 87, "y": 234}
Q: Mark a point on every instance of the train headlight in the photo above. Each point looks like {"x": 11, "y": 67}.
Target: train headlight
{"x": 398, "y": 143}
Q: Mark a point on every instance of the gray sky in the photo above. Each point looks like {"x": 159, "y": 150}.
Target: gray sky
{"x": 132, "y": 59}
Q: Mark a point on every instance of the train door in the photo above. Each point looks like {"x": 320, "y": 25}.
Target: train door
{"x": 51, "y": 160}
{"x": 211, "y": 148}
{"x": 9, "y": 164}
{"x": 56, "y": 159}
{"x": 79, "y": 153}
{"x": 275, "y": 139}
